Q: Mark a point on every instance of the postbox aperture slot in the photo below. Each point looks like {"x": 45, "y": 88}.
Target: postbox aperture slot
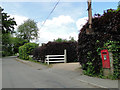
{"x": 104, "y": 52}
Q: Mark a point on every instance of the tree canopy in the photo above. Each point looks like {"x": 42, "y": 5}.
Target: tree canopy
{"x": 7, "y": 23}
{"x": 64, "y": 40}
{"x": 28, "y": 30}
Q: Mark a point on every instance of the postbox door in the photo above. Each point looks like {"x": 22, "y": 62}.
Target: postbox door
{"x": 105, "y": 59}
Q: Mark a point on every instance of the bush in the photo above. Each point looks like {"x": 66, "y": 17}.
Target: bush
{"x": 7, "y": 45}
{"x": 17, "y": 43}
{"x": 26, "y": 50}
{"x": 106, "y": 27}
{"x": 57, "y": 48}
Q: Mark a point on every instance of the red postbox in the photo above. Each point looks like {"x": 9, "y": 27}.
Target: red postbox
{"x": 105, "y": 58}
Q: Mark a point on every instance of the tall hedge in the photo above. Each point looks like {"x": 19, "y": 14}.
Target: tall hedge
{"x": 57, "y": 48}
{"x": 106, "y": 27}
{"x": 26, "y": 50}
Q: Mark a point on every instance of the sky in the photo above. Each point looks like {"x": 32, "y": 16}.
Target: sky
{"x": 66, "y": 20}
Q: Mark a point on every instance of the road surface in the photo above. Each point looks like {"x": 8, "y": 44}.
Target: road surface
{"x": 19, "y": 75}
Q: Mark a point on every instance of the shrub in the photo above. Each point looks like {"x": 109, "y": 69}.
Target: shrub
{"x": 7, "y": 45}
{"x": 106, "y": 27}
{"x": 26, "y": 50}
{"x": 17, "y": 43}
{"x": 57, "y": 48}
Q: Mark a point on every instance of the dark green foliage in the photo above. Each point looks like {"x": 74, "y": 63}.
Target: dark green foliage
{"x": 60, "y": 40}
{"x": 106, "y": 27}
{"x": 7, "y": 29}
{"x": 17, "y": 43}
{"x": 57, "y": 48}
{"x": 65, "y": 40}
{"x": 7, "y": 45}
{"x": 10, "y": 45}
{"x": 7, "y": 23}
{"x": 26, "y": 50}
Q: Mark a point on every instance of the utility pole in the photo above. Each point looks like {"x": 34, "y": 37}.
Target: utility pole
{"x": 89, "y": 30}
{"x": 90, "y": 13}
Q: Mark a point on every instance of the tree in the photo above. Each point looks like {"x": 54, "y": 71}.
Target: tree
{"x": 7, "y": 23}
{"x": 71, "y": 39}
{"x": 65, "y": 40}
{"x": 7, "y": 44}
{"x": 28, "y": 30}
{"x": 6, "y": 33}
{"x": 60, "y": 40}
{"x": 17, "y": 42}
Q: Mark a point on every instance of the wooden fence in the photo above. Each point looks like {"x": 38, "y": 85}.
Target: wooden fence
{"x": 56, "y": 58}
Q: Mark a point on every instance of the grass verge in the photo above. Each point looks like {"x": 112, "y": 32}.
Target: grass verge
{"x": 31, "y": 60}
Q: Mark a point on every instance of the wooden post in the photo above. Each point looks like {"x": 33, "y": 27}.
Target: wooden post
{"x": 89, "y": 30}
{"x": 90, "y": 14}
{"x": 65, "y": 56}
{"x": 48, "y": 59}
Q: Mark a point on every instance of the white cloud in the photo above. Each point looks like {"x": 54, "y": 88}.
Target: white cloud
{"x": 19, "y": 19}
{"x": 81, "y": 22}
{"x": 58, "y": 21}
{"x": 58, "y": 27}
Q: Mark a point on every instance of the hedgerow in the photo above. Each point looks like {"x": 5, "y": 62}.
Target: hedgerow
{"x": 57, "y": 48}
{"x": 26, "y": 50}
{"x": 106, "y": 27}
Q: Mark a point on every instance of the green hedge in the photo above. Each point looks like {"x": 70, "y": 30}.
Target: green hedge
{"x": 26, "y": 50}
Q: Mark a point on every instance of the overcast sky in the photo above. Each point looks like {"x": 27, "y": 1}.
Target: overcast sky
{"x": 66, "y": 20}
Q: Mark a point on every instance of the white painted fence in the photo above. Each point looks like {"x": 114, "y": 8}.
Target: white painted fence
{"x": 56, "y": 58}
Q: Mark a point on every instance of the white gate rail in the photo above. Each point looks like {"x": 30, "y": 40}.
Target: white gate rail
{"x": 56, "y": 58}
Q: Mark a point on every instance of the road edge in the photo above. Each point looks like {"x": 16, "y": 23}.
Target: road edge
{"x": 93, "y": 84}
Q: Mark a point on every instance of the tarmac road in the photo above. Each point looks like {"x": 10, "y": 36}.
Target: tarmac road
{"x": 19, "y": 75}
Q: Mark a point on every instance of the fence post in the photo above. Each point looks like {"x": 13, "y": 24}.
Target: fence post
{"x": 65, "y": 56}
{"x": 48, "y": 59}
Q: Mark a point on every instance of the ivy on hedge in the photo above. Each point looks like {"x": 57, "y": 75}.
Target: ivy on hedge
{"x": 114, "y": 47}
{"x": 106, "y": 27}
{"x": 26, "y": 50}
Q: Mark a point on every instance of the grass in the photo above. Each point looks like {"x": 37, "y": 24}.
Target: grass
{"x": 101, "y": 76}
{"x": 30, "y": 59}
